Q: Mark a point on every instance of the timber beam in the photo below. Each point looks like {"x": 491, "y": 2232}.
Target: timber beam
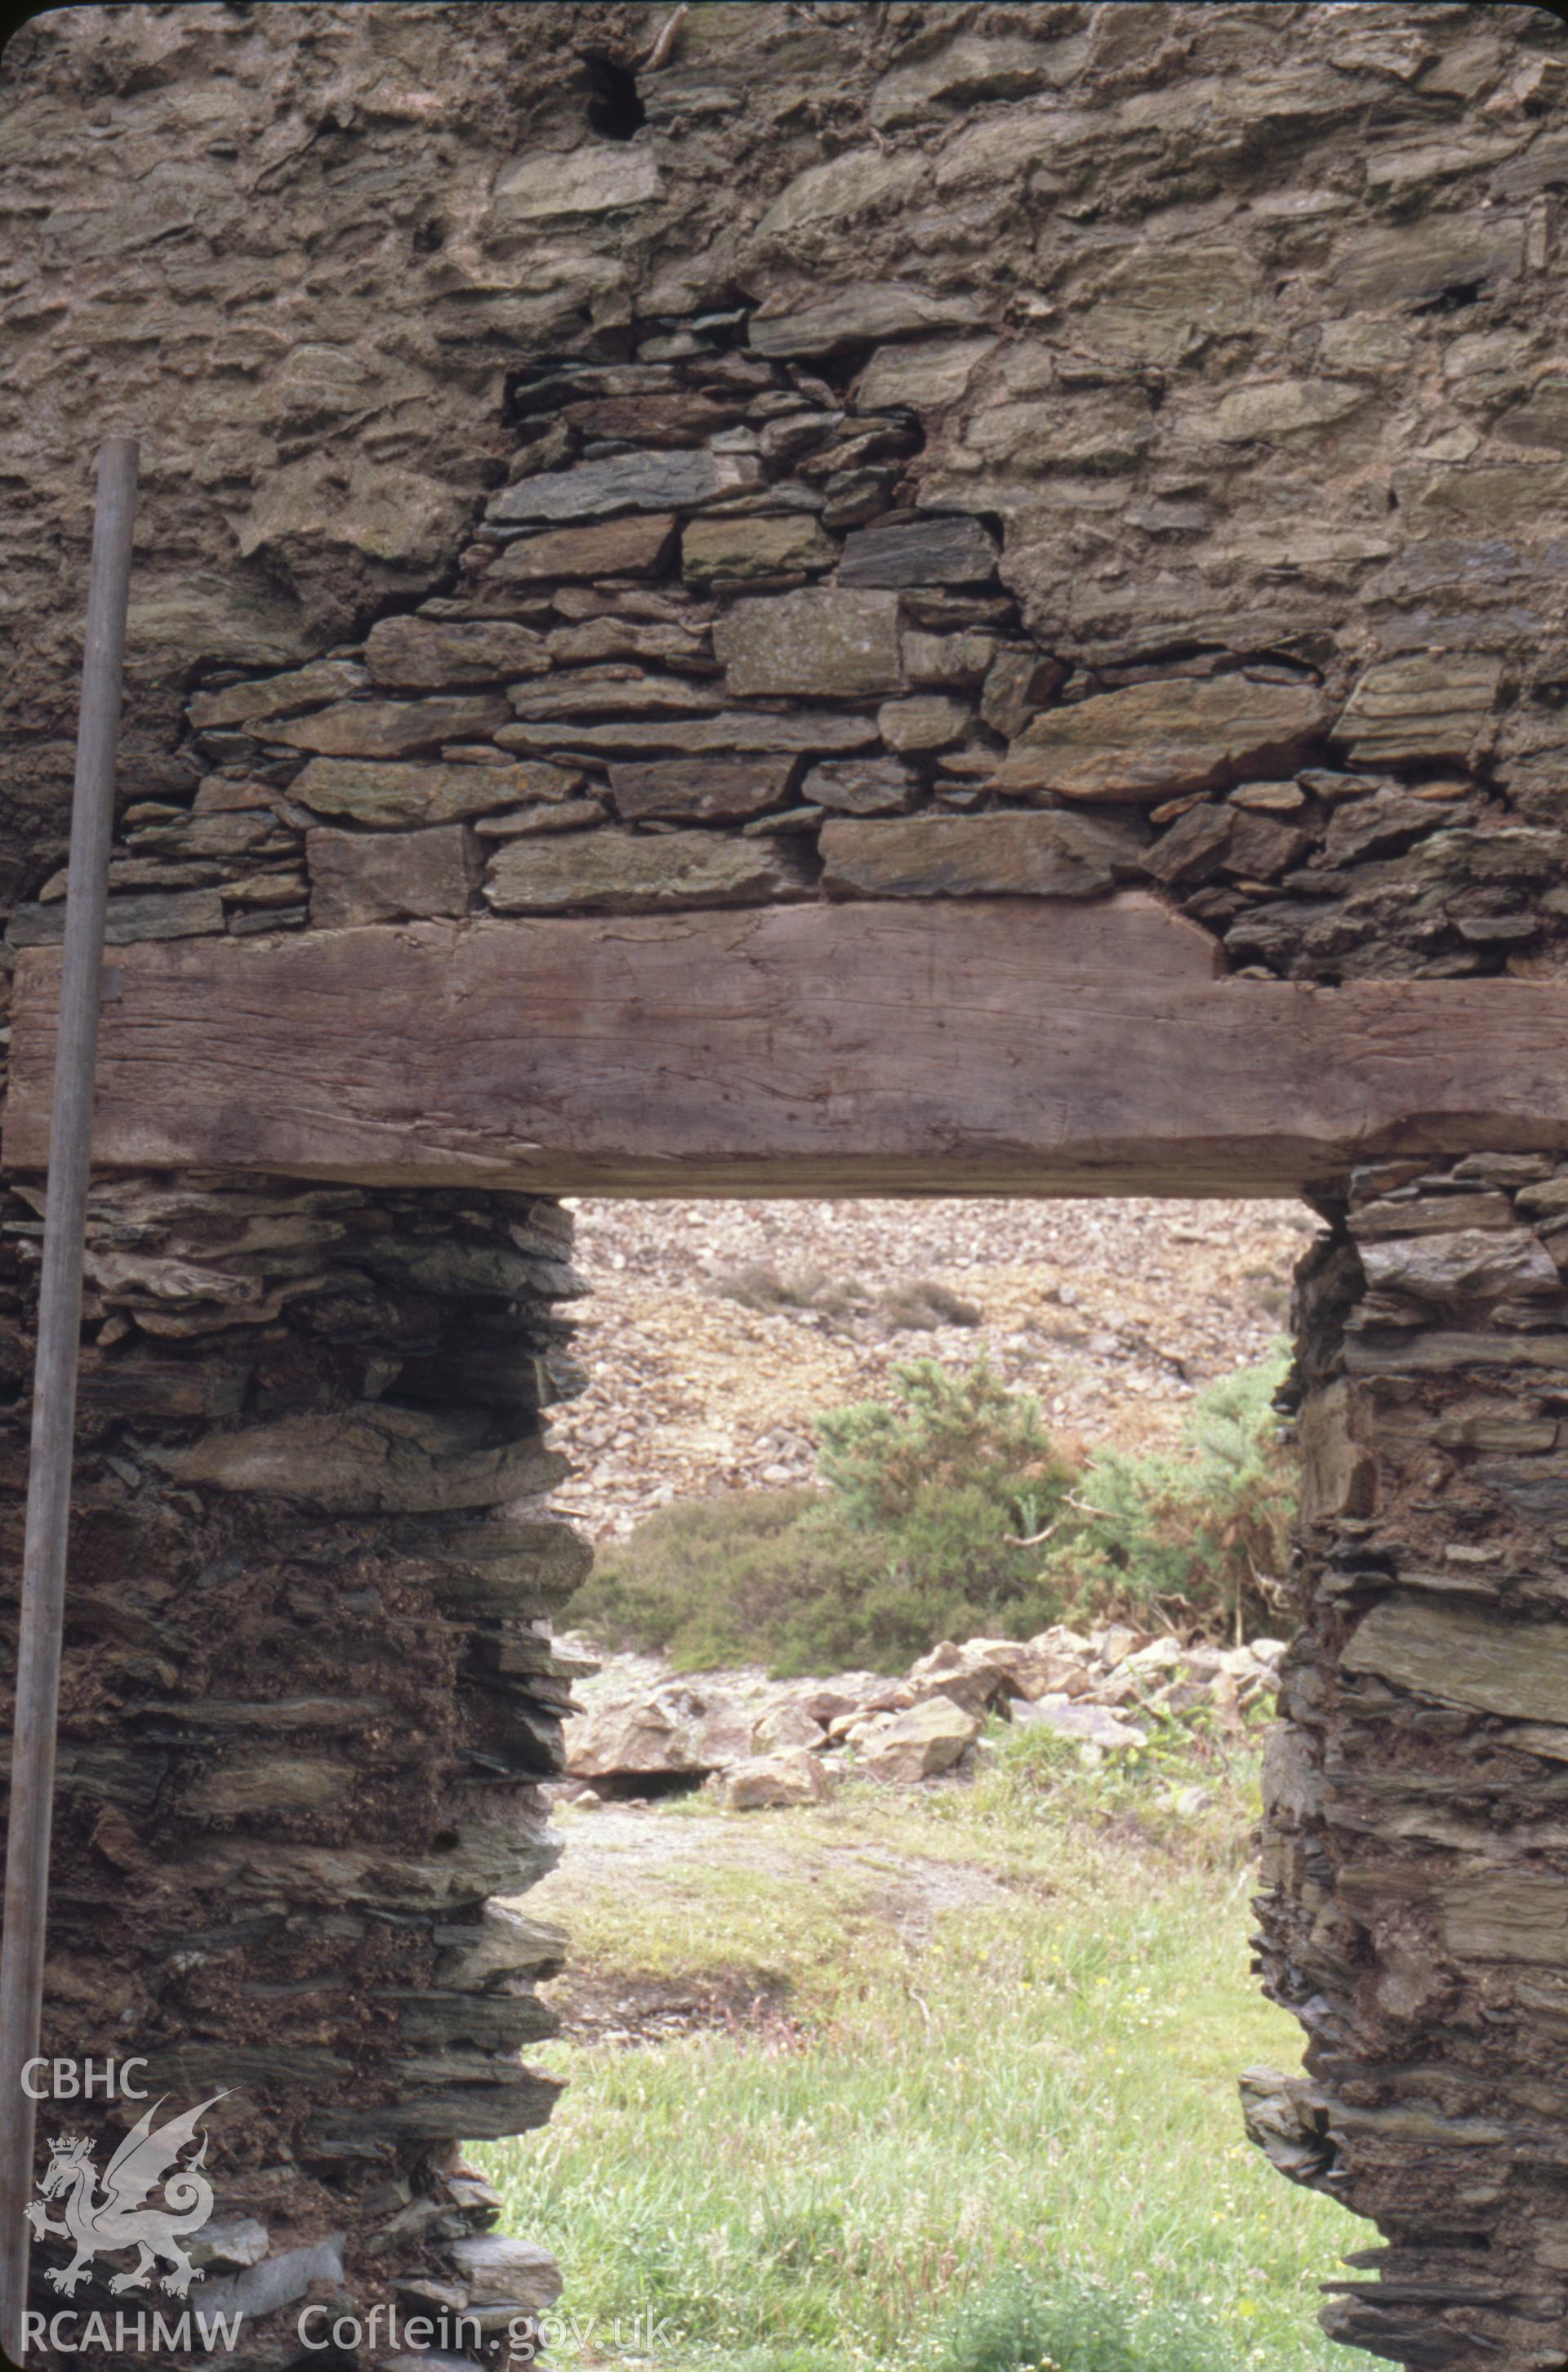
{"x": 1010, "y": 1045}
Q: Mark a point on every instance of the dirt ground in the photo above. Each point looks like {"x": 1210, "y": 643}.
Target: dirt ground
{"x": 717, "y": 1331}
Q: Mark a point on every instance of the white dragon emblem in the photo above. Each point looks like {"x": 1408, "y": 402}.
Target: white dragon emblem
{"x": 118, "y": 2219}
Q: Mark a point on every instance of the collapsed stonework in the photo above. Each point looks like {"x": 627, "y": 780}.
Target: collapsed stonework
{"x": 997, "y": 451}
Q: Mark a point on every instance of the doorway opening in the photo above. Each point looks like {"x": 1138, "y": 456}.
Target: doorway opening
{"x": 908, "y": 1838}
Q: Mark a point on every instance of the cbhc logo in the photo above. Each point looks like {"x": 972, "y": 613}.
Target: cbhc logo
{"x": 81, "y": 2079}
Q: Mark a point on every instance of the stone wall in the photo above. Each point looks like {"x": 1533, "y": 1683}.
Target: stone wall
{"x": 1415, "y": 1905}
{"x": 943, "y": 451}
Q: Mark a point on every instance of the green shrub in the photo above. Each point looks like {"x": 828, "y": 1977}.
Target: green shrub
{"x": 913, "y": 1541}
{"x": 1192, "y": 1538}
{"x": 916, "y": 1536}
{"x": 1028, "y": 2323}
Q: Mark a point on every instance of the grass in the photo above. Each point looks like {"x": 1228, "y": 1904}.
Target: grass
{"x": 997, "y": 2126}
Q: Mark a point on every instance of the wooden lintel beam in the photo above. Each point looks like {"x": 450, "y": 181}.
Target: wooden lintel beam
{"x": 1002, "y": 1045}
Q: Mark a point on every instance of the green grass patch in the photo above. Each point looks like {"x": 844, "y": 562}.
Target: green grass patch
{"x": 999, "y": 2127}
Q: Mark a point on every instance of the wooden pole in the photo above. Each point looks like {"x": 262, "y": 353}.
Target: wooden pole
{"x": 54, "y": 1373}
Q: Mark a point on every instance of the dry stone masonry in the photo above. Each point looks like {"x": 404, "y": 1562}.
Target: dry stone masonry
{"x": 913, "y": 453}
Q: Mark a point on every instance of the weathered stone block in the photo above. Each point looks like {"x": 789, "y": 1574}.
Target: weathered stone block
{"x": 394, "y": 796}
{"x": 172, "y": 915}
{"x": 728, "y": 550}
{"x": 587, "y": 181}
{"x": 622, "y": 547}
{"x": 871, "y": 309}
{"x": 1421, "y": 708}
{"x": 924, "y": 377}
{"x": 387, "y": 876}
{"x": 1198, "y": 293}
{"x": 820, "y": 731}
{"x": 861, "y": 786}
{"x": 627, "y": 482}
{"x": 1156, "y": 740}
{"x": 700, "y": 790}
{"x": 277, "y": 695}
{"x": 928, "y": 721}
{"x": 843, "y": 644}
{"x": 933, "y": 549}
{"x": 369, "y": 1460}
{"x": 425, "y": 653}
{"x": 1271, "y": 408}
{"x": 1464, "y": 1656}
{"x": 967, "y": 70}
{"x": 854, "y": 183}
{"x": 1038, "y": 855}
{"x": 613, "y": 690}
{"x": 1462, "y": 1264}
{"x": 633, "y": 873}
{"x": 1420, "y": 259}
{"x": 391, "y": 729}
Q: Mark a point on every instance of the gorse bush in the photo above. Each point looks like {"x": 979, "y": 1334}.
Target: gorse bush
{"x": 917, "y": 1535}
{"x": 1196, "y": 1537}
{"x": 913, "y": 1541}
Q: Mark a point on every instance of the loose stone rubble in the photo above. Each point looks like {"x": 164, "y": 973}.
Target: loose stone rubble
{"x": 640, "y": 1728}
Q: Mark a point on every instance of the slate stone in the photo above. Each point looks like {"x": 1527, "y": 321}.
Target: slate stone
{"x": 964, "y": 71}
{"x": 1461, "y": 1264}
{"x": 727, "y": 551}
{"x": 826, "y": 642}
{"x": 626, "y": 481}
{"x": 1156, "y": 739}
{"x": 176, "y": 915}
{"x": 427, "y": 653}
{"x": 1420, "y": 259}
{"x": 373, "y": 1459}
{"x": 1420, "y": 707}
{"x": 1037, "y": 856}
{"x": 929, "y": 721}
{"x": 391, "y": 729}
{"x": 592, "y": 179}
{"x": 526, "y": 823}
{"x": 358, "y": 877}
{"x": 934, "y": 548}
{"x": 862, "y": 786}
{"x": 922, "y": 378}
{"x": 623, "y": 547}
{"x": 1281, "y": 407}
{"x": 392, "y": 795}
{"x": 497, "y": 2268}
{"x": 1018, "y": 684}
{"x": 1261, "y": 847}
{"x": 1198, "y": 293}
{"x": 277, "y": 695}
{"x": 1464, "y": 1656}
{"x": 611, "y": 690}
{"x": 673, "y": 416}
{"x": 636, "y": 873}
{"x": 1193, "y": 850}
{"x": 854, "y": 183}
{"x": 871, "y": 309}
{"x": 700, "y": 790}
{"x": 825, "y": 730}
{"x": 949, "y": 660}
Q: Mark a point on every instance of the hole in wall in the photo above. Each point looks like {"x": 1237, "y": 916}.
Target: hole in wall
{"x": 615, "y": 108}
